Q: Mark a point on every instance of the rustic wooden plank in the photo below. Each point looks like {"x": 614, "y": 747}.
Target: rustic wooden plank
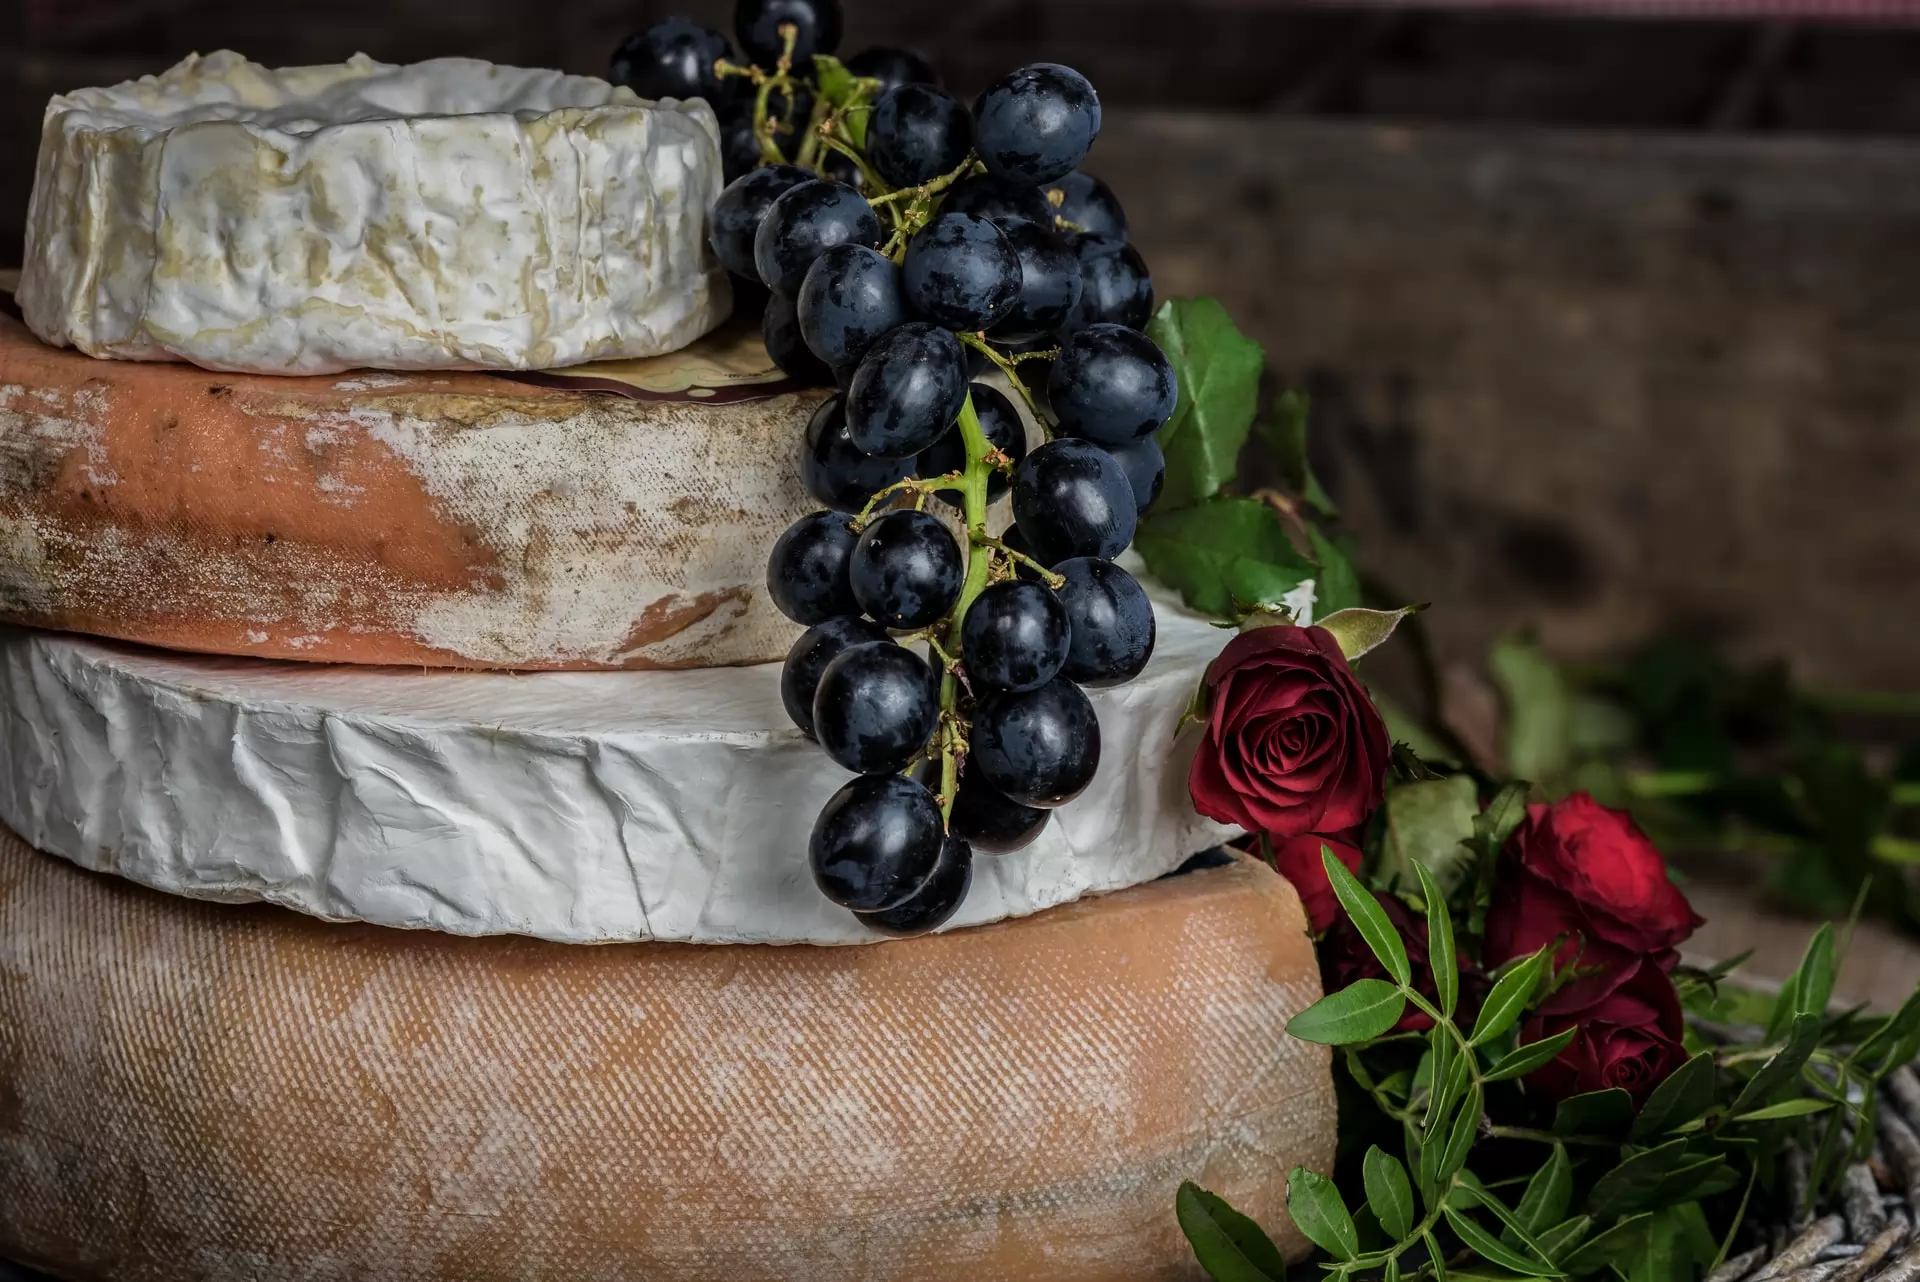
{"x": 1606, "y": 384}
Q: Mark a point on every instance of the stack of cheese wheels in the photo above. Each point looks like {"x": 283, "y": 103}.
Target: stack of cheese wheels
{"x": 249, "y": 605}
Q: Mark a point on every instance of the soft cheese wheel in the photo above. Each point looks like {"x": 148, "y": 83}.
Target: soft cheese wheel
{"x": 582, "y": 807}
{"x": 453, "y": 214}
{"x": 462, "y": 520}
{"x": 193, "y": 1092}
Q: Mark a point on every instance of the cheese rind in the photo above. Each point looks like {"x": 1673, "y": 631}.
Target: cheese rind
{"x": 578, "y": 807}
{"x": 450, "y": 214}
{"x": 282, "y": 1098}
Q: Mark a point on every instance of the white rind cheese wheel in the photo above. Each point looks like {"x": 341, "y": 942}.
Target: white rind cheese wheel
{"x": 448, "y": 215}
{"x": 450, "y": 520}
{"x": 581, "y": 807}
{"x": 191, "y": 1093}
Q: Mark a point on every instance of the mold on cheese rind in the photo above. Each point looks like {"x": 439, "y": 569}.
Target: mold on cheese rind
{"x": 447, "y": 215}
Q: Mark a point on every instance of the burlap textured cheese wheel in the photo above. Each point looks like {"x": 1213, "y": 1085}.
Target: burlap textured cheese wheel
{"x": 198, "y": 1092}
{"x": 449, "y": 520}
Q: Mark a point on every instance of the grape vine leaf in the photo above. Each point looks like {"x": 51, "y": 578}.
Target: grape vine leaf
{"x": 1218, "y": 369}
{"x": 1224, "y": 553}
{"x": 1229, "y": 1246}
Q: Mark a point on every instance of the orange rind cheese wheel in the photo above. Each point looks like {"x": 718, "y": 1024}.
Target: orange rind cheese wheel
{"x": 208, "y": 1092}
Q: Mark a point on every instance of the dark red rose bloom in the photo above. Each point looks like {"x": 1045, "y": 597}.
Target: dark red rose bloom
{"x": 1579, "y": 870}
{"x": 1345, "y": 957}
{"x": 1298, "y": 860}
{"x": 1630, "y": 1038}
{"x": 1294, "y": 744}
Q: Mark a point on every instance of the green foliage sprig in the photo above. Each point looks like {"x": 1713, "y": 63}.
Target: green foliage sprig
{"x": 1464, "y": 1173}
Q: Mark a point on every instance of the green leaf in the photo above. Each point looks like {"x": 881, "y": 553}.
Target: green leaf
{"x": 1428, "y": 823}
{"x": 1388, "y": 1191}
{"x": 832, "y": 80}
{"x": 1285, "y": 435}
{"x": 1229, "y": 1246}
{"x": 1616, "y": 1244}
{"x": 1440, "y": 957}
{"x": 1337, "y": 583}
{"x": 1315, "y": 1205}
{"x": 1598, "y": 1113}
{"x": 1562, "y": 1238}
{"x": 1800, "y": 1107}
{"x": 1524, "y": 1059}
{"x": 1459, "y": 1071}
{"x": 1360, "y": 1012}
{"x": 1218, "y": 369}
{"x": 1783, "y": 1069}
{"x": 1628, "y": 1186}
{"x": 1466, "y": 1126}
{"x": 1539, "y": 709}
{"x": 1508, "y": 1000}
{"x": 1871, "y": 1055}
{"x": 1360, "y": 631}
{"x": 1438, "y": 1257}
{"x": 1685, "y": 1095}
{"x": 1652, "y": 1258}
{"x": 1492, "y": 1249}
{"x": 1808, "y": 990}
{"x": 1369, "y": 918}
{"x": 1502, "y": 815}
{"x": 1548, "y": 1194}
{"x": 1223, "y": 554}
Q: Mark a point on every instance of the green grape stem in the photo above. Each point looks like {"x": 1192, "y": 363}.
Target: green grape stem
{"x": 781, "y": 78}
{"x": 1006, "y": 365}
{"x": 973, "y": 492}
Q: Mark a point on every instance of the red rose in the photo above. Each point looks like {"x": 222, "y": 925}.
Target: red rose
{"x": 1630, "y": 1038}
{"x": 1298, "y": 860}
{"x": 1294, "y": 745}
{"x": 1579, "y": 870}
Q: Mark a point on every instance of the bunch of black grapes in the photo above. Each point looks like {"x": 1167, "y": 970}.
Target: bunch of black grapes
{"x": 967, "y": 240}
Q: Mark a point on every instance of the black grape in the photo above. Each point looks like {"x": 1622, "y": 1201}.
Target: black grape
{"x": 876, "y": 707}
{"x": 804, "y": 222}
{"x": 807, "y": 569}
{"x": 837, "y": 473}
{"x": 1036, "y": 124}
{"x": 961, "y": 271}
{"x": 1111, "y": 385}
{"x": 780, "y": 331}
{"x": 1146, "y": 469}
{"x": 893, "y": 67}
{"x": 1071, "y": 498}
{"x": 1111, "y": 621}
{"x": 1114, "y": 285}
{"x": 817, "y": 647}
{"x": 1050, "y": 281}
{"x": 739, "y": 154}
{"x": 1004, "y": 430}
{"x": 1090, "y": 205}
{"x": 916, "y": 133}
{"x": 1015, "y": 637}
{"x": 737, "y": 214}
{"x": 907, "y": 391}
{"x": 935, "y": 902}
{"x": 985, "y": 196}
{"x": 1039, "y": 747}
{"x": 757, "y": 24}
{"x": 990, "y": 821}
{"x": 876, "y": 843}
{"x": 674, "y": 59}
{"x": 906, "y": 570}
{"x": 850, "y": 298}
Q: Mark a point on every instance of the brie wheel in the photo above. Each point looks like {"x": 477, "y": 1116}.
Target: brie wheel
{"x": 451, "y": 214}
{"x": 579, "y": 807}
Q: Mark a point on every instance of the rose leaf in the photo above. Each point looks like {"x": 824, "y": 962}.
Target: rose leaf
{"x": 1225, "y": 553}
{"x": 1285, "y": 435}
{"x": 1427, "y": 823}
{"x": 1218, "y": 369}
{"x": 1339, "y": 581}
{"x": 1361, "y": 631}
{"x": 1539, "y": 707}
